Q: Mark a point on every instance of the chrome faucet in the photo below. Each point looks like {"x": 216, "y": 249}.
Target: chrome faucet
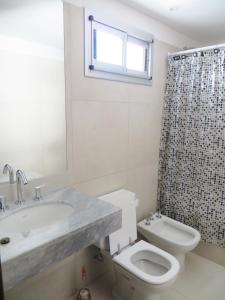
{"x": 20, "y": 178}
{"x": 150, "y": 218}
{"x": 158, "y": 214}
{"x": 9, "y": 169}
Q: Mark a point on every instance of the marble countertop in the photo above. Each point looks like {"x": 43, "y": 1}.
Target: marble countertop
{"x": 33, "y": 251}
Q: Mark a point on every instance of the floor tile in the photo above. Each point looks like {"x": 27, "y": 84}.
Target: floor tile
{"x": 101, "y": 288}
{"x": 202, "y": 279}
{"x": 172, "y": 294}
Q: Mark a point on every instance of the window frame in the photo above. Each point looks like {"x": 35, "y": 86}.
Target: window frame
{"x": 97, "y": 69}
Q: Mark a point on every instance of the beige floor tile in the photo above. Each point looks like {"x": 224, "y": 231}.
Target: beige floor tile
{"x": 211, "y": 252}
{"x": 172, "y": 294}
{"x": 201, "y": 280}
{"x": 101, "y": 289}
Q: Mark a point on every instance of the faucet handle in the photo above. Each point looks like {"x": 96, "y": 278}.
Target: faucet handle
{"x": 38, "y": 192}
{"x": 21, "y": 177}
{"x": 147, "y": 221}
{"x": 151, "y": 215}
{"x": 158, "y": 214}
{"x": 150, "y": 218}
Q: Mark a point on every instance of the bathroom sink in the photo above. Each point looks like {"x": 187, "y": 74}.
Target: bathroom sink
{"x": 34, "y": 217}
{"x": 45, "y": 232}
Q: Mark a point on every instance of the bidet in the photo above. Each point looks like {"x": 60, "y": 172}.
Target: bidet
{"x": 170, "y": 235}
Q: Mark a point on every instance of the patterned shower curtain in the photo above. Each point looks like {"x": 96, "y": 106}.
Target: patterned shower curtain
{"x": 192, "y": 151}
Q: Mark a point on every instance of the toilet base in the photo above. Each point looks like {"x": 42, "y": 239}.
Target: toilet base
{"x": 126, "y": 288}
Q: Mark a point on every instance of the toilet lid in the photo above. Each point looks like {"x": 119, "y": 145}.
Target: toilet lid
{"x": 145, "y": 252}
{"x": 127, "y": 234}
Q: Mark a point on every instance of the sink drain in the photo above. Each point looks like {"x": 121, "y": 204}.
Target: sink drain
{"x": 5, "y": 241}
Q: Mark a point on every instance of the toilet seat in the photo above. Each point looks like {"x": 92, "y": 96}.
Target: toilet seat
{"x": 168, "y": 266}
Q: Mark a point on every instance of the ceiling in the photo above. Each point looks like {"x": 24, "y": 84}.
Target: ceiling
{"x": 201, "y": 20}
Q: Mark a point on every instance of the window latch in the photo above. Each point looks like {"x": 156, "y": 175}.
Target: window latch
{"x": 91, "y": 18}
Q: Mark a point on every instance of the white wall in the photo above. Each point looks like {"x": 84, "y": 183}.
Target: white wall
{"x": 115, "y": 125}
{"x": 123, "y": 13}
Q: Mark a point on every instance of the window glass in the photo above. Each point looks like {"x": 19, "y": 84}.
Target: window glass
{"x": 136, "y": 57}
{"x": 109, "y": 48}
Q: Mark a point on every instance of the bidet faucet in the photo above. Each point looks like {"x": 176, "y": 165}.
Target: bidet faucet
{"x": 9, "y": 169}
{"x": 20, "y": 178}
{"x": 150, "y": 218}
{"x": 158, "y": 214}
{"x": 147, "y": 221}
{"x": 38, "y": 194}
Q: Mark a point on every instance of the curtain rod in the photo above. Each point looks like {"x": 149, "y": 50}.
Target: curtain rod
{"x": 196, "y": 50}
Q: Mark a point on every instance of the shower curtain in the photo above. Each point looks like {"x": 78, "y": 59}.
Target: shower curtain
{"x": 192, "y": 150}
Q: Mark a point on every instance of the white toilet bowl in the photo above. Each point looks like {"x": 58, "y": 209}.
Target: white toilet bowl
{"x": 170, "y": 235}
{"x": 143, "y": 271}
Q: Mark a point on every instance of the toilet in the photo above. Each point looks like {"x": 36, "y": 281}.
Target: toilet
{"x": 142, "y": 270}
{"x": 170, "y": 235}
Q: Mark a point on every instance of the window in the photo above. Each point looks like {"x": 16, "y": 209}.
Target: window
{"x": 107, "y": 44}
{"x": 137, "y": 55}
{"x": 117, "y": 53}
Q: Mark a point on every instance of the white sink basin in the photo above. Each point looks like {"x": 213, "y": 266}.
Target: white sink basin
{"x": 34, "y": 217}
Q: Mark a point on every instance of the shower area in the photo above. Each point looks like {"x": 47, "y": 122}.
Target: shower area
{"x": 192, "y": 151}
